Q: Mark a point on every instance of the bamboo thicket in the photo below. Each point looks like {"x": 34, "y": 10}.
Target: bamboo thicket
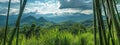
{"x": 16, "y": 29}
{"x": 106, "y": 21}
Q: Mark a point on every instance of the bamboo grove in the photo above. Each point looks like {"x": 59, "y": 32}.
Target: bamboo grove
{"x": 106, "y": 30}
{"x": 109, "y": 27}
{"x": 16, "y": 29}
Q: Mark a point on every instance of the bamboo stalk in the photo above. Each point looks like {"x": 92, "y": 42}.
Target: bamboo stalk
{"x": 98, "y": 14}
{"x": 95, "y": 32}
{"x": 108, "y": 24}
{"x": 115, "y": 22}
{"x": 6, "y": 27}
{"x": 112, "y": 21}
{"x": 113, "y": 18}
{"x": 16, "y": 29}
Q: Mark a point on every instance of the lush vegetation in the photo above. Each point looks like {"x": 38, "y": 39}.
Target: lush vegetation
{"x": 74, "y": 34}
{"x": 105, "y": 31}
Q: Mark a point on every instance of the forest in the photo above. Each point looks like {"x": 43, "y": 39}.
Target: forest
{"x": 102, "y": 29}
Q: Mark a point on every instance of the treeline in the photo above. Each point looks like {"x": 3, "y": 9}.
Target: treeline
{"x": 71, "y": 34}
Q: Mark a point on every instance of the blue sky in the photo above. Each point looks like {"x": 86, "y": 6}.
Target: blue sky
{"x": 50, "y": 6}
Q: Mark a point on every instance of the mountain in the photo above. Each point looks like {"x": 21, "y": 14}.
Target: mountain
{"x": 72, "y": 17}
{"x": 29, "y": 19}
{"x": 2, "y": 17}
{"x": 42, "y": 19}
{"x": 88, "y": 22}
{"x": 2, "y": 20}
{"x": 45, "y": 19}
{"x": 26, "y": 20}
{"x": 57, "y": 18}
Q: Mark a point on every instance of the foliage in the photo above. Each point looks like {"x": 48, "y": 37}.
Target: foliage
{"x": 53, "y": 36}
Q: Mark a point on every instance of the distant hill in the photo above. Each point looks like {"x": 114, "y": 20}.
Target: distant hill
{"x": 29, "y": 19}
{"x": 57, "y": 18}
{"x": 73, "y": 17}
{"x": 2, "y": 20}
{"x": 44, "y": 19}
{"x": 26, "y": 20}
{"x": 88, "y": 22}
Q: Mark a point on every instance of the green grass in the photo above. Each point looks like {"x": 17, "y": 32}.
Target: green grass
{"x": 55, "y": 37}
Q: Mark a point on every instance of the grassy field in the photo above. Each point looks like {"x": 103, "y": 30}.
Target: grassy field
{"x": 75, "y": 34}
{"x": 55, "y": 35}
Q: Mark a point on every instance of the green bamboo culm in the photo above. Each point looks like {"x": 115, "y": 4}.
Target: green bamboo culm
{"x": 95, "y": 32}
{"x": 111, "y": 24}
{"x": 6, "y": 27}
{"x": 99, "y": 24}
{"x": 108, "y": 24}
{"x": 114, "y": 19}
{"x": 16, "y": 29}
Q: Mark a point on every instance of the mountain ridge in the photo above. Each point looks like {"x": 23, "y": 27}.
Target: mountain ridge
{"x": 28, "y": 19}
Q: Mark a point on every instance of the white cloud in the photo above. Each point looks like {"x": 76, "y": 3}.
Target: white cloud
{"x": 88, "y": 1}
{"x": 87, "y": 11}
{"x": 14, "y": 11}
{"x": 13, "y": 1}
{"x": 48, "y": 7}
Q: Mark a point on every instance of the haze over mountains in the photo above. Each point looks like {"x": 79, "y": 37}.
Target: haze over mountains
{"x": 42, "y": 19}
